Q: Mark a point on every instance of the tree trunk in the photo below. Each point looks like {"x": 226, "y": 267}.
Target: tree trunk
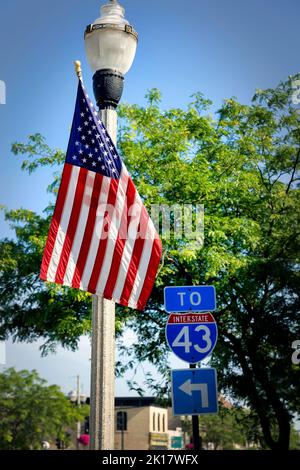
{"x": 282, "y": 416}
{"x": 281, "y": 413}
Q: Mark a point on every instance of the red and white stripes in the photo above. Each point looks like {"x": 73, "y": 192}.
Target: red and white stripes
{"x": 101, "y": 238}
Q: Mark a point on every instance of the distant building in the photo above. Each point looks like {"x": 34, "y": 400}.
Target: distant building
{"x": 141, "y": 424}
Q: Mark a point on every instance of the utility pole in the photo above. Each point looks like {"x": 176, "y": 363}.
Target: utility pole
{"x": 78, "y": 404}
{"x": 110, "y": 62}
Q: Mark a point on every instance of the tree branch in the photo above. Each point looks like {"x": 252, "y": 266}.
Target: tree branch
{"x": 294, "y": 171}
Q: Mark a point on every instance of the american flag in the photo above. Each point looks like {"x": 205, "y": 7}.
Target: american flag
{"x": 101, "y": 238}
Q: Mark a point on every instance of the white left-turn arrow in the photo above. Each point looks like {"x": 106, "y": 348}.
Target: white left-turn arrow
{"x": 188, "y": 388}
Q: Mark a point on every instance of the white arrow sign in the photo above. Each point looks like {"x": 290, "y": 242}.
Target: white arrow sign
{"x": 188, "y": 388}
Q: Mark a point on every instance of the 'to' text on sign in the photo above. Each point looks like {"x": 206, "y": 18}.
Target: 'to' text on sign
{"x": 190, "y": 298}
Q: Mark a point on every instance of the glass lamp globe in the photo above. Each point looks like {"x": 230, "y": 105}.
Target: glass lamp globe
{"x": 110, "y": 41}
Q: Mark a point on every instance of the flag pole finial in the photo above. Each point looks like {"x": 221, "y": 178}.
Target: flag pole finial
{"x": 78, "y": 70}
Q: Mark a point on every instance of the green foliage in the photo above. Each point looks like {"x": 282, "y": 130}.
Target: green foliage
{"x": 29, "y": 309}
{"x": 294, "y": 439}
{"x": 224, "y": 430}
{"x": 32, "y": 411}
{"x": 36, "y": 145}
{"x": 243, "y": 165}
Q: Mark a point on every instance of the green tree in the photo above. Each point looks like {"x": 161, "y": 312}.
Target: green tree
{"x": 243, "y": 165}
{"x": 224, "y": 430}
{"x": 32, "y": 411}
{"x": 295, "y": 439}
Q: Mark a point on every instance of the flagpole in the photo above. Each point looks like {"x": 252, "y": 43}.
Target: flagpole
{"x": 102, "y": 394}
{"x": 78, "y": 71}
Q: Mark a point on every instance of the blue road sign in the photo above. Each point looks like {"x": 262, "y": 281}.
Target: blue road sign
{"x": 194, "y": 391}
{"x": 191, "y": 336}
{"x": 190, "y": 298}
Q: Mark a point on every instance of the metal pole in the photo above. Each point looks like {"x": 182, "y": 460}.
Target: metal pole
{"x": 103, "y": 351}
{"x": 78, "y": 404}
{"x": 195, "y": 425}
{"x": 122, "y": 436}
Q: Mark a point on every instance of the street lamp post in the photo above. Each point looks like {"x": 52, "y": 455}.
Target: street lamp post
{"x": 110, "y": 44}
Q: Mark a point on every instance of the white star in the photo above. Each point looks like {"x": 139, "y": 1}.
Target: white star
{"x": 86, "y": 123}
{"x": 102, "y": 144}
{"x": 96, "y": 150}
{"x": 114, "y": 170}
{"x": 99, "y": 159}
{"x": 97, "y": 136}
{"x": 86, "y": 146}
{"x": 74, "y": 157}
{"x": 77, "y": 143}
{"x": 104, "y": 130}
{"x": 81, "y": 114}
{"x": 96, "y": 113}
{"x": 94, "y": 127}
{"x": 103, "y": 167}
{"x": 105, "y": 153}
{"x": 107, "y": 139}
{"x": 89, "y": 132}
{"x": 109, "y": 162}
{"x": 79, "y": 129}
{"x": 81, "y": 152}
{"x": 87, "y": 108}
{"x": 99, "y": 122}
{"x": 93, "y": 141}
{"x": 111, "y": 147}
{"x": 84, "y": 160}
{"x": 115, "y": 156}
{"x": 91, "y": 104}
{"x": 83, "y": 137}
{"x": 94, "y": 163}
{"x": 90, "y": 155}
{"x": 90, "y": 118}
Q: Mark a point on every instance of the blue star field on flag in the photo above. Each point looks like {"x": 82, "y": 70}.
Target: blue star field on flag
{"x": 90, "y": 146}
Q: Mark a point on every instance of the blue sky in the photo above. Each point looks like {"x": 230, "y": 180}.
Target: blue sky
{"x": 222, "y": 48}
